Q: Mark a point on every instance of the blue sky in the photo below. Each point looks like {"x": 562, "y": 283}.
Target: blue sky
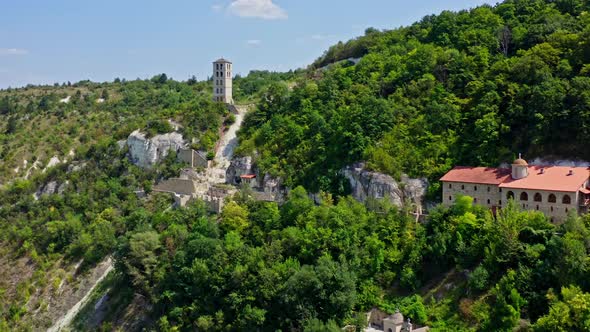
{"x": 45, "y": 41}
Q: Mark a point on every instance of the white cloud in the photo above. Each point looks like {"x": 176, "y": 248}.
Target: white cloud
{"x": 321, "y": 37}
{"x": 254, "y": 42}
{"x": 13, "y": 51}
{"x": 264, "y": 9}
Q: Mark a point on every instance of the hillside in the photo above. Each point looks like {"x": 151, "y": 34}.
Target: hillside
{"x": 472, "y": 87}
{"x": 65, "y": 137}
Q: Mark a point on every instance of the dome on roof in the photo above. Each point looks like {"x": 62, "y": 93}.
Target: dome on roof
{"x": 222, "y": 60}
{"x": 520, "y": 161}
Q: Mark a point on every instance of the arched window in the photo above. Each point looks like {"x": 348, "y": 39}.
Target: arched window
{"x": 566, "y": 199}
{"x": 538, "y": 197}
{"x": 510, "y": 195}
{"x": 552, "y": 198}
{"x": 524, "y": 196}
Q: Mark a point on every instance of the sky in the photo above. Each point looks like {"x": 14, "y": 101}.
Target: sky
{"x": 43, "y": 42}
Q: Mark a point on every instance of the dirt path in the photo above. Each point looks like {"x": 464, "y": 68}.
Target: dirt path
{"x": 229, "y": 142}
{"x": 67, "y": 318}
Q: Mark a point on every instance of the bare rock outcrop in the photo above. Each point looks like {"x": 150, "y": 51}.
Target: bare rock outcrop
{"x": 239, "y": 166}
{"x": 51, "y": 188}
{"x": 366, "y": 184}
{"x": 145, "y": 152}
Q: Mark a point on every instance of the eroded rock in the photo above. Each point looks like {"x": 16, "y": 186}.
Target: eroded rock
{"x": 366, "y": 185}
{"x": 145, "y": 152}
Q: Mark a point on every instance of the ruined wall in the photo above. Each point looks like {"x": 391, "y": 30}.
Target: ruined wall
{"x": 193, "y": 158}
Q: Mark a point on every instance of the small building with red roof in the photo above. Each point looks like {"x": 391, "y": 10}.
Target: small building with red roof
{"x": 553, "y": 190}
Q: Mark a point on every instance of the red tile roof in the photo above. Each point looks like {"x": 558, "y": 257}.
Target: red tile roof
{"x": 482, "y": 175}
{"x": 553, "y": 178}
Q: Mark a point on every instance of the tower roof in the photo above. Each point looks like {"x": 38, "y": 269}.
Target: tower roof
{"x": 520, "y": 161}
{"x": 222, "y": 60}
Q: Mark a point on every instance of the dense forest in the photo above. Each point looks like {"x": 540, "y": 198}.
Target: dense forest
{"x": 475, "y": 87}
{"x": 471, "y": 87}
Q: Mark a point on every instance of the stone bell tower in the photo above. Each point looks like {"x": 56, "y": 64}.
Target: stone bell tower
{"x": 222, "y": 81}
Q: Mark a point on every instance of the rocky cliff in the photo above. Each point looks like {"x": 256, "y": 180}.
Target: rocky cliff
{"x": 366, "y": 184}
{"x": 239, "y": 166}
{"x": 267, "y": 187}
{"x": 145, "y": 152}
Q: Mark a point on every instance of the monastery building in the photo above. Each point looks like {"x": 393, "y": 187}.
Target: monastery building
{"x": 553, "y": 190}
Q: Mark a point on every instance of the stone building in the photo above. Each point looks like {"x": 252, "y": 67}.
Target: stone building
{"x": 196, "y": 159}
{"x": 222, "y": 81}
{"x": 553, "y": 190}
{"x": 393, "y": 323}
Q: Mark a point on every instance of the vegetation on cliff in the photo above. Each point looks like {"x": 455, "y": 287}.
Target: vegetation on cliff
{"x": 469, "y": 87}
{"x": 473, "y": 87}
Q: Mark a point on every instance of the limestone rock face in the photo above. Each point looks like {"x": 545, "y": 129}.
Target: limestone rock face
{"x": 273, "y": 188}
{"x": 51, "y": 188}
{"x": 239, "y": 166}
{"x": 145, "y": 152}
{"x": 366, "y": 184}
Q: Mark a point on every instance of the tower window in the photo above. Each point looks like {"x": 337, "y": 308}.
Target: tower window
{"x": 488, "y": 202}
{"x": 462, "y": 187}
{"x": 489, "y": 189}
{"x": 475, "y": 200}
{"x": 450, "y": 198}
{"x": 450, "y": 186}
{"x": 474, "y": 188}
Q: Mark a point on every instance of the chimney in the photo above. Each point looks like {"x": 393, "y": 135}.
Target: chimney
{"x": 571, "y": 172}
{"x": 542, "y": 171}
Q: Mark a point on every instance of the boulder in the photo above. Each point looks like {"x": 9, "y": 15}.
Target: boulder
{"x": 146, "y": 152}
